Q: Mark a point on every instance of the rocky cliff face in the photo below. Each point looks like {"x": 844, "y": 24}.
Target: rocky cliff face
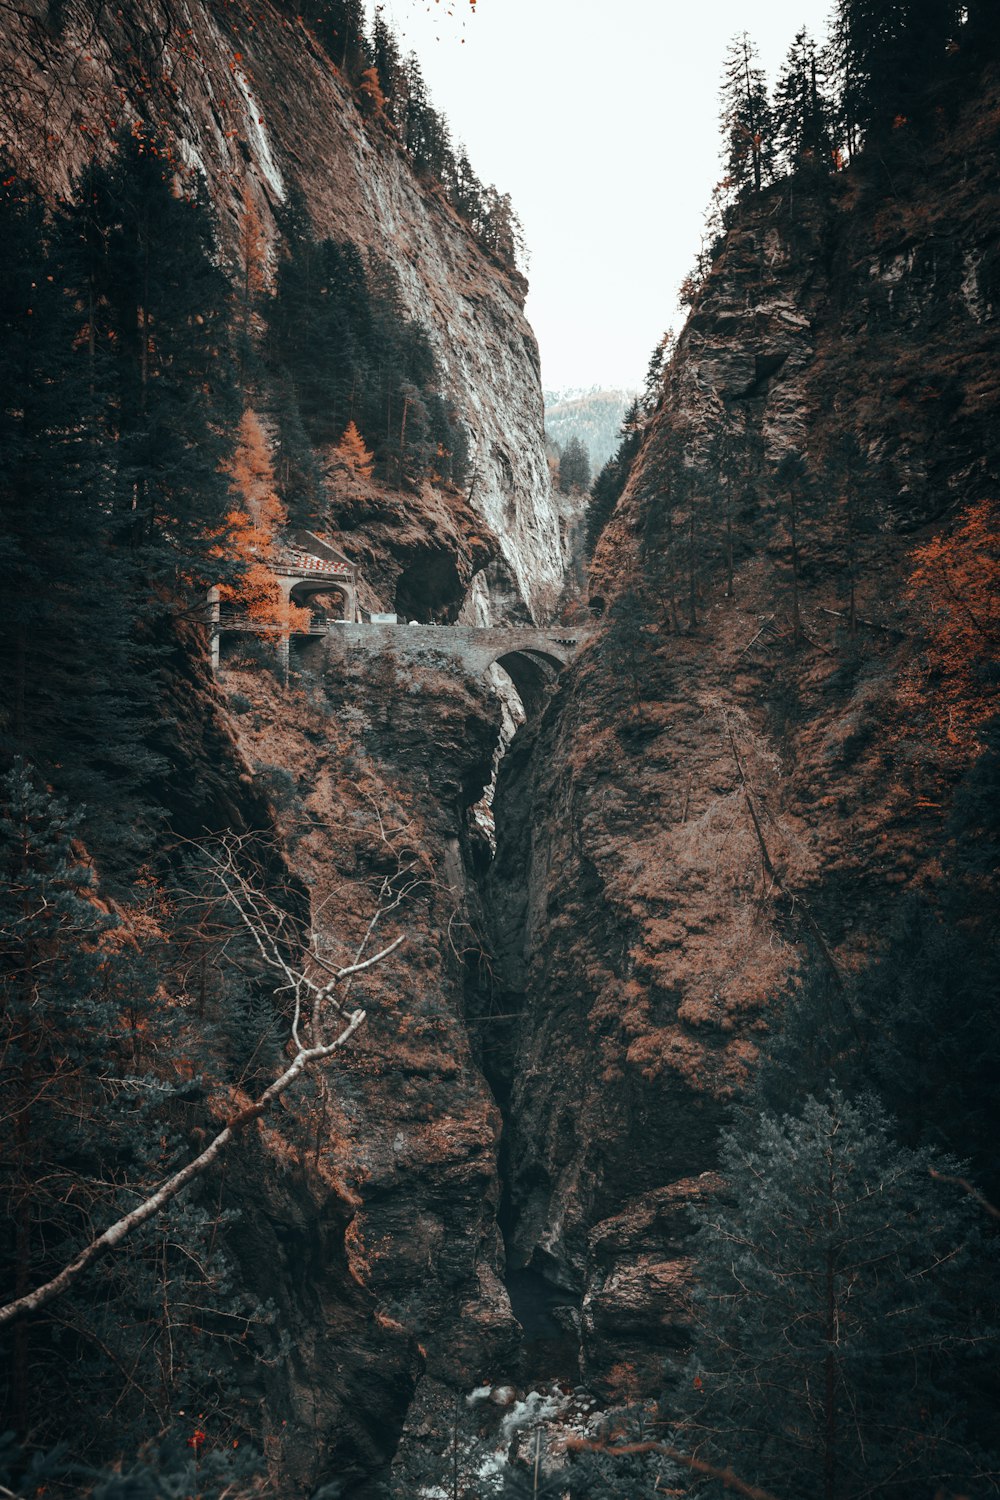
{"x": 723, "y": 796}
{"x": 259, "y": 113}
{"x": 729, "y": 785}
{"x": 370, "y": 1210}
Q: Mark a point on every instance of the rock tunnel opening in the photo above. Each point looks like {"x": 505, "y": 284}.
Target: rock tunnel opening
{"x": 429, "y": 589}
{"x": 324, "y": 602}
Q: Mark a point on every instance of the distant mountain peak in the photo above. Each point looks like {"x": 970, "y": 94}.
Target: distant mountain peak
{"x": 593, "y": 415}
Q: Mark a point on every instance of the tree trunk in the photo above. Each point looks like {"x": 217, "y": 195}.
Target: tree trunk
{"x": 830, "y": 1360}
{"x": 675, "y": 623}
{"x": 793, "y": 527}
{"x": 402, "y": 438}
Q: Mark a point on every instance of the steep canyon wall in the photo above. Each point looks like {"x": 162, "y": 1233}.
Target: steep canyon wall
{"x": 712, "y": 796}
{"x": 259, "y": 114}
{"x": 367, "y": 1211}
{"x": 734, "y": 788}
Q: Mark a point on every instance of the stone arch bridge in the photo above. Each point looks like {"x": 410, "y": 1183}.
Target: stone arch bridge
{"x": 309, "y": 568}
{"x": 531, "y": 655}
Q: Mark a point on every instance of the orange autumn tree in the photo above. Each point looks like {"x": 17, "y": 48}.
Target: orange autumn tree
{"x": 252, "y": 525}
{"x": 351, "y": 454}
{"x": 955, "y": 584}
{"x": 369, "y": 94}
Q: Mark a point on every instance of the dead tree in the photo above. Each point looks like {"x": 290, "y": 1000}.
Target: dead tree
{"x": 317, "y": 994}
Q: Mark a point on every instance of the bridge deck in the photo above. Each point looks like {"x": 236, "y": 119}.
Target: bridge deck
{"x": 560, "y": 641}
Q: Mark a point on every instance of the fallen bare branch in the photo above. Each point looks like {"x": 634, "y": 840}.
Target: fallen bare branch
{"x": 269, "y": 928}
{"x": 967, "y": 1187}
{"x": 725, "y": 1477}
{"x": 860, "y": 620}
{"x": 755, "y": 639}
{"x": 151, "y": 1206}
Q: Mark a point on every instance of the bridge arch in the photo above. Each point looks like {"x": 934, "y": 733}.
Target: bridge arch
{"x": 312, "y": 593}
{"x": 532, "y": 656}
{"x": 532, "y": 673}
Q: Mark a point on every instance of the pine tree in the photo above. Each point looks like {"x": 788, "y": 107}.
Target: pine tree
{"x": 414, "y": 443}
{"x": 803, "y": 111}
{"x": 652, "y": 388}
{"x": 975, "y": 818}
{"x": 168, "y": 307}
{"x": 251, "y": 284}
{"x": 627, "y": 644}
{"x": 73, "y": 1013}
{"x": 831, "y": 1310}
{"x": 746, "y": 123}
{"x": 418, "y": 130}
{"x": 467, "y": 193}
{"x": 321, "y": 320}
{"x": 888, "y": 53}
{"x": 794, "y": 482}
{"x": 730, "y": 462}
{"x": 500, "y": 229}
{"x": 297, "y": 475}
{"x": 933, "y": 1052}
{"x": 78, "y": 681}
{"x": 574, "y": 466}
{"x": 345, "y": 351}
{"x": 450, "y": 463}
{"x": 339, "y": 24}
{"x": 610, "y": 483}
{"x": 846, "y": 468}
{"x": 389, "y": 68}
{"x": 102, "y": 1074}
{"x": 33, "y": 356}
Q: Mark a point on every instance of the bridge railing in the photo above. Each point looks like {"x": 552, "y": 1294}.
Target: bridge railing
{"x": 520, "y": 637}
{"x": 245, "y": 623}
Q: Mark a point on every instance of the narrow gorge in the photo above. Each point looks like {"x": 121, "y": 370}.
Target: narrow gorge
{"x": 612, "y": 851}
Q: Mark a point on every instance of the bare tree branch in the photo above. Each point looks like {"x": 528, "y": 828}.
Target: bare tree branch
{"x": 726, "y": 1477}
{"x": 151, "y": 1206}
{"x": 263, "y": 921}
{"x": 967, "y": 1187}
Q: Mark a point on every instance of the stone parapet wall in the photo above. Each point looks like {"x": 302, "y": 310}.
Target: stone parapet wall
{"x": 475, "y": 647}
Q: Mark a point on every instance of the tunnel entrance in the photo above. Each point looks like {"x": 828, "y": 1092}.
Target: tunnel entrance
{"x": 429, "y": 589}
{"x": 324, "y": 602}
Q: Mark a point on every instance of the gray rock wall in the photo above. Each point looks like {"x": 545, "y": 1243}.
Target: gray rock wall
{"x": 259, "y": 113}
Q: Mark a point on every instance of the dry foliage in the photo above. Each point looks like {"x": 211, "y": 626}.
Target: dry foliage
{"x": 253, "y": 525}
{"x": 955, "y": 584}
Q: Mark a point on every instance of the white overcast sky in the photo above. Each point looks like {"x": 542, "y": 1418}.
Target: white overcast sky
{"x": 600, "y": 118}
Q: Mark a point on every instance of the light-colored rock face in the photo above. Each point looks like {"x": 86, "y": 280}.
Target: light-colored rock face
{"x": 485, "y": 348}
{"x": 257, "y": 108}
